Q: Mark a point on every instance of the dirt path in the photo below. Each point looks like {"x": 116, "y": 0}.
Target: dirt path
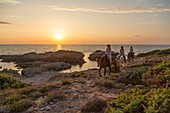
{"x": 88, "y": 85}
{"x": 84, "y": 87}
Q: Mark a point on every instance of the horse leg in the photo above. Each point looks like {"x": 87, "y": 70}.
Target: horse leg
{"x": 105, "y": 71}
{"x": 124, "y": 58}
{"x": 115, "y": 65}
{"x": 129, "y": 57}
{"x": 99, "y": 72}
{"x": 109, "y": 69}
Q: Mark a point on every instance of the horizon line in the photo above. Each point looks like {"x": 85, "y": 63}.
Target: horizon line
{"x": 87, "y": 44}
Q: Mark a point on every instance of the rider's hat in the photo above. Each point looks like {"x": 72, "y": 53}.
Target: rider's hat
{"x": 108, "y": 45}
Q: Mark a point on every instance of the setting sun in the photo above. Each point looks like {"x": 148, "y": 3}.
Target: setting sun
{"x": 59, "y": 36}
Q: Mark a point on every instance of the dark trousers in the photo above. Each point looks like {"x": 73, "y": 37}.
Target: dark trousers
{"x": 123, "y": 57}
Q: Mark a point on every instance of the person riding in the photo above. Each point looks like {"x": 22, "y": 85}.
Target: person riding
{"x": 122, "y": 53}
{"x": 108, "y": 53}
{"x": 131, "y": 49}
{"x": 131, "y": 54}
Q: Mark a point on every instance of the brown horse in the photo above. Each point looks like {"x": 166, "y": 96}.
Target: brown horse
{"x": 103, "y": 63}
{"x": 131, "y": 56}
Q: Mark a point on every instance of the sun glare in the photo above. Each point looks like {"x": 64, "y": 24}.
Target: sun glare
{"x": 59, "y": 36}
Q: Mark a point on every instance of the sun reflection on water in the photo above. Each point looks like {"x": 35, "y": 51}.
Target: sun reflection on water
{"x": 59, "y": 47}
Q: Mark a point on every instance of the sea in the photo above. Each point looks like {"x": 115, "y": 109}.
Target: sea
{"x": 6, "y": 49}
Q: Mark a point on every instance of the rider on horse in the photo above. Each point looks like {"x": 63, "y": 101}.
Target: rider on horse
{"x": 108, "y": 54}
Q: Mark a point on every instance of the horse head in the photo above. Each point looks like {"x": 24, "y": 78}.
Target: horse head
{"x": 98, "y": 62}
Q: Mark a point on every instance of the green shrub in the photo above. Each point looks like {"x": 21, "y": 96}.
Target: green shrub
{"x": 148, "y": 53}
{"x": 76, "y": 75}
{"x": 163, "y": 52}
{"x": 155, "y": 52}
{"x": 66, "y": 82}
{"x": 133, "y": 77}
{"x": 105, "y": 83}
{"x": 52, "y": 96}
{"x": 158, "y": 101}
{"x": 35, "y": 95}
{"x": 20, "y": 106}
{"x": 48, "y": 87}
{"x": 6, "y": 82}
{"x": 95, "y": 106}
{"x": 141, "y": 99}
{"x": 27, "y": 90}
{"x": 158, "y": 75}
{"x": 12, "y": 98}
{"x": 59, "y": 95}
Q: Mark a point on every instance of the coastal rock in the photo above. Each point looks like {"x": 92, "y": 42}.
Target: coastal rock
{"x": 47, "y": 108}
{"x": 72, "y": 57}
{"x": 35, "y": 63}
{"x": 30, "y": 72}
{"x": 57, "y": 66}
{"x": 42, "y": 109}
{"x": 95, "y": 55}
{"x": 9, "y": 71}
{"x": 51, "y": 103}
{"x": 99, "y": 53}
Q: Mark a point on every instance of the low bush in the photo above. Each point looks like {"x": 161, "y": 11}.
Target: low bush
{"x": 95, "y": 106}
{"x": 133, "y": 77}
{"x": 141, "y": 99}
{"x": 27, "y": 90}
{"x": 155, "y": 52}
{"x": 52, "y": 96}
{"x": 7, "y": 82}
{"x": 66, "y": 82}
{"x": 13, "y": 98}
{"x": 158, "y": 75}
{"x": 47, "y": 87}
{"x": 20, "y": 105}
{"x": 105, "y": 83}
{"x": 76, "y": 75}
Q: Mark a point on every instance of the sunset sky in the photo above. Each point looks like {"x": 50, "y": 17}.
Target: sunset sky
{"x": 85, "y": 21}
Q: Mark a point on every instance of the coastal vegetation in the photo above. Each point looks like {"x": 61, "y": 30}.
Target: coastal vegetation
{"x": 151, "y": 97}
{"x": 155, "y": 52}
{"x": 136, "y": 88}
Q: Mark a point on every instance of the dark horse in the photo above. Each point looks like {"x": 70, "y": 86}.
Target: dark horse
{"x": 102, "y": 62}
{"x": 131, "y": 56}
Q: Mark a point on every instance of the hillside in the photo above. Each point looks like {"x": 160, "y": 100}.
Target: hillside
{"x": 140, "y": 86}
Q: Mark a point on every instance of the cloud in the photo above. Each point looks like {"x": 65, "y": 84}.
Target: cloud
{"x": 10, "y": 2}
{"x": 114, "y": 10}
{"x": 137, "y": 35}
{"x": 10, "y": 16}
{"x": 6, "y": 23}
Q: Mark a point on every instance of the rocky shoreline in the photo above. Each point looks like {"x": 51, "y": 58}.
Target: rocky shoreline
{"x": 36, "y": 63}
{"x": 80, "y": 92}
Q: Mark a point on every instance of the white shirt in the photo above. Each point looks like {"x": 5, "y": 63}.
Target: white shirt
{"x": 109, "y": 54}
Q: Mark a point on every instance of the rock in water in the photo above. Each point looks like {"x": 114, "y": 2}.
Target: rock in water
{"x": 72, "y": 57}
{"x": 9, "y": 71}
{"x": 57, "y": 66}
